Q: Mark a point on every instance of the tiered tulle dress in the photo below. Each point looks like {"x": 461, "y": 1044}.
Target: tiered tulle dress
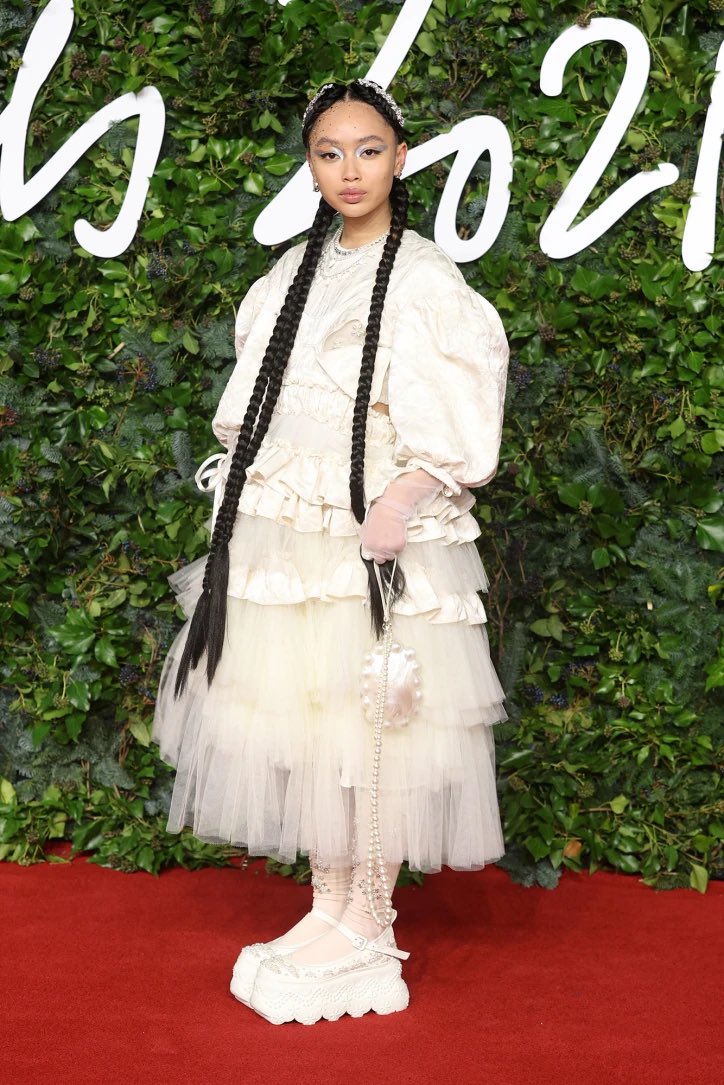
{"x": 276, "y": 755}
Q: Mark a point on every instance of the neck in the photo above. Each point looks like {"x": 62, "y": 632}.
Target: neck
{"x": 358, "y": 231}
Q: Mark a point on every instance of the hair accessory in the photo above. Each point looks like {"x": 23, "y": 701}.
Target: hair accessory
{"x": 314, "y": 100}
{"x": 367, "y": 83}
{"x": 390, "y": 675}
{"x": 387, "y": 97}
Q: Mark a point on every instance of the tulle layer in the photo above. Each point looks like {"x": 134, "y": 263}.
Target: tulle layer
{"x": 272, "y": 564}
{"x": 276, "y": 755}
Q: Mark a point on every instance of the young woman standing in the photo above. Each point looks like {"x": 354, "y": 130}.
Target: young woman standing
{"x": 367, "y": 398}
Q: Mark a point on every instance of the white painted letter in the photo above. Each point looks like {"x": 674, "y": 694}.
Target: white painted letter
{"x": 17, "y": 196}
{"x": 699, "y": 232}
{"x": 559, "y": 238}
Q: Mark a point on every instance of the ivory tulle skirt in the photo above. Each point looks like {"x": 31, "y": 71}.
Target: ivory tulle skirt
{"x": 276, "y": 755}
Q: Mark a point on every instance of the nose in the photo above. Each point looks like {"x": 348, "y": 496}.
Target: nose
{"x": 351, "y": 168}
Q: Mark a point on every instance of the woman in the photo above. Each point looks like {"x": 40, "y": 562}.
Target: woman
{"x": 367, "y": 397}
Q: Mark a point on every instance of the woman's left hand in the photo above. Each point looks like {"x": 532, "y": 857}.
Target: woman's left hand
{"x": 383, "y": 533}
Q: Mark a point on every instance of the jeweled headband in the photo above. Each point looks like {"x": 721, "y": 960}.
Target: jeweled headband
{"x": 367, "y": 83}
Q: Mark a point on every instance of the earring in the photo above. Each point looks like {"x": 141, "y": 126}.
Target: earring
{"x": 398, "y": 176}
{"x": 315, "y": 185}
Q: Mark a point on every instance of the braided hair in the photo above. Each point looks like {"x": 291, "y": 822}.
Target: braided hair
{"x": 208, "y": 625}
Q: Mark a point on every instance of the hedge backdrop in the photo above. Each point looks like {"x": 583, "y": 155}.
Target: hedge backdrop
{"x": 600, "y": 532}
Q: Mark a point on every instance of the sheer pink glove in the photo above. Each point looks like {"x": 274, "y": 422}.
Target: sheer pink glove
{"x": 384, "y": 531}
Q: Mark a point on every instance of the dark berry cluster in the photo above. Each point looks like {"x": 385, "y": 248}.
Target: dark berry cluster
{"x": 134, "y": 552}
{"x": 558, "y": 700}
{"x": 46, "y": 359}
{"x": 157, "y": 269}
{"x": 8, "y": 416}
{"x": 203, "y": 10}
{"x": 520, "y": 375}
{"x": 534, "y": 694}
{"x": 582, "y": 668}
{"x": 128, "y": 675}
{"x": 150, "y": 381}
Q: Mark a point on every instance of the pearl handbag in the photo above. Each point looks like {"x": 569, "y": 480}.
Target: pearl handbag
{"x": 391, "y": 696}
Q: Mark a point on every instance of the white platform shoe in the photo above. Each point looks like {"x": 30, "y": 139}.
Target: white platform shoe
{"x": 251, "y": 957}
{"x": 368, "y": 979}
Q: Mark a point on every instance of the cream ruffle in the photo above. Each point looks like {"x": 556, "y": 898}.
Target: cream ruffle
{"x": 310, "y": 491}
{"x": 300, "y": 476}
{"x": 273, "y": 566}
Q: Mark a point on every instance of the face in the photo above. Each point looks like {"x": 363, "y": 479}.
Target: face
{"x": 354, "y": 155}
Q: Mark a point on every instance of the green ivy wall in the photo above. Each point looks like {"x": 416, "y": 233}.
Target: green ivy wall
{"x": 600, "y": 532}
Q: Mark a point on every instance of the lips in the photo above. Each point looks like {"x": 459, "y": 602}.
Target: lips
{"x": 352, "y": 195}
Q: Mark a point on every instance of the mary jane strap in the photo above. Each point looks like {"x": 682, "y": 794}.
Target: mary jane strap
{"x": 326, "y": 918}
{"x": 375, "y": 944}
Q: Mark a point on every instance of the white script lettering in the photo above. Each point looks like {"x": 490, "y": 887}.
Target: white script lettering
{"x": 17, "y": 195}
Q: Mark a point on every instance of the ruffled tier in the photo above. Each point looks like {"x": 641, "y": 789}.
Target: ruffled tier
{"x": 300, "y": 476}
{"x": 310, "y": 491}
{"x": 273, "y": 564}
{"x": 276, "y": 756}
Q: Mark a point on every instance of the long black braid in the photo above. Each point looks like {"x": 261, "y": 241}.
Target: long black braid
{"x": 208, "y": 625}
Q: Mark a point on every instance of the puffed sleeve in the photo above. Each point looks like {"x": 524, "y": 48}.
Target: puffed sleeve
{"x": 447, "y": 377}
{"x": 255, "y": 320}
{"x": 232, "y": 405}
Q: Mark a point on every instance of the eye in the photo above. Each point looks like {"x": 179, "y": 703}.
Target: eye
{"x": 371, "y": 151}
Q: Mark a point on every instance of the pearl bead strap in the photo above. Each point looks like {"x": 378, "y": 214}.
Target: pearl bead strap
{"x": 376, "y": 869}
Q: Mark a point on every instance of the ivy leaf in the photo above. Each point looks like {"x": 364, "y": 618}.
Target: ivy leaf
{"x": 572, "y": 493}
{"x": 426, "y": 43}
{"x": 548, "y": 627}
{"x": 105, "y": 652}
{"x": 698, "y": 877}
{"x": 710, "y": 533}
{"x": 537, "y": 847}
{"x": 600, "y": 557}
{"x": 140, "y": 731}
{"x": 712, "y": 442}
{"x": 79, "y": 694}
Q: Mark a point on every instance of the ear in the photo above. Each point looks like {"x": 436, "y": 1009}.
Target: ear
{"x": 400, "y": 156}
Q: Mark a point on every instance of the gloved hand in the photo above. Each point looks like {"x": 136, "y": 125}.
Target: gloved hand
{"x": 384, "y": 531}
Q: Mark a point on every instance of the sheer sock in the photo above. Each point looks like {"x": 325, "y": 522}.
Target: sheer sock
{"x": 330, "y": 887}
{"x": 356, "y": 915}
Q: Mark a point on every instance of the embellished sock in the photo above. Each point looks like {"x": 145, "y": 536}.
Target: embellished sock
{"x": 330, "y": 887}
{"x": 357, "y": 913}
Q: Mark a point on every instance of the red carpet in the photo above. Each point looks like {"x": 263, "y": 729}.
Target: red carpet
{"x": 121, "y": 979}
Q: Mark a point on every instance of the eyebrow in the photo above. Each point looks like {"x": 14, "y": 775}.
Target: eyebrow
{"x": 363, "y": 139}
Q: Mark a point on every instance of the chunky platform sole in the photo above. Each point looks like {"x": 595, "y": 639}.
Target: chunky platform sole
{"x": 378, "y": 990}
{"x": 244, "y": 976}
{"x": 246, "y": 966}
